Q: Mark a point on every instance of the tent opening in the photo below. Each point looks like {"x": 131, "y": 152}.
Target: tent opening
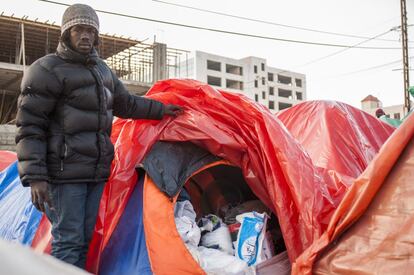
{"x": 222, "y": 191}
{"x": 216, "y": 223}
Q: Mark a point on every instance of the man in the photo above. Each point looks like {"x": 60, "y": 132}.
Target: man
{"x": 379, "y": 113}
{"x": 64, "y": 121}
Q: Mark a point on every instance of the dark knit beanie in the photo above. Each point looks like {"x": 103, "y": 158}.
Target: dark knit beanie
{"x": 79, "y": 14}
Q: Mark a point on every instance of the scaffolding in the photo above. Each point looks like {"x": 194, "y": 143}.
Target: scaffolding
{"x": 136, "y": 63}
{"x": 23, "y": 41}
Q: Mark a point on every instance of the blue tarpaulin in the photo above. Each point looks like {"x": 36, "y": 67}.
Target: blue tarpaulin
{"x": 126, "y": 252}
{"x": 19, "y": 218}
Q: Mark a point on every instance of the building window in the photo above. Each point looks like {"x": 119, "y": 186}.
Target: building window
{"x": 256, "y": 97}
{"x": 270, "y": 76}
{"x": 284, "y": 79}
{"x": 233, "y": 69}
{"x": 263, "y": 81}
{"x": 299, "y": 96}
{"x": 264, "y": 95}
{"x": 214, "y": 81}
{"x": 271, "y": 91}
{"x": 256, "y": 83}
{"x": 298, "y": 82}
{"x": 255, "y": 69}
{"x": 271, "y": 105}
{"x": 397, "y": 116}
{"x": 285, "y": 93}
{"x": 263, "y": 67}
{"x": 213, "y": 65}
{"x": 234, "y": 84}
{"x": 283, "y": 106}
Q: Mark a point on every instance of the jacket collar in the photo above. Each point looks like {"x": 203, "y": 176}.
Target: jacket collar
{"x": 69, "y": 55}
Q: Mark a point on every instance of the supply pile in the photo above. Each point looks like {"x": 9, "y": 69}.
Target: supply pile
{"x": 231, "y": 244}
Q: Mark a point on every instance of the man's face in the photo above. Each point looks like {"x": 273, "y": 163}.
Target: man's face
{"x": 82, "y": 38}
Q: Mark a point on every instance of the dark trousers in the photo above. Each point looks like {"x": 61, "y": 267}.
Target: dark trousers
{"x": 73, "y": 219}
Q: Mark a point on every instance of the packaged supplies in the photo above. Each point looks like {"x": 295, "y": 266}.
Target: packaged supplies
{"x": 249, "y": 243}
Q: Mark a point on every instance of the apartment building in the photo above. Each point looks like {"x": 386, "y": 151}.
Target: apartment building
{"x": 275, "y": 88}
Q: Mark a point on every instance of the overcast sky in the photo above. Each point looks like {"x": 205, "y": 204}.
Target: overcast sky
{"x": 348, "y": 76}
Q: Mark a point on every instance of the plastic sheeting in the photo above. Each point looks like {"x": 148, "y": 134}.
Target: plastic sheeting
{"x": 20, "y": 221}
{"x": 276, "y": 166}
{"x": 373, "y": 225}
{"x": 42, "y": 241}
{"x": 391, "y": 121}
{"x": 6, "y": 158}
{"x": 334, "y": 133}
{"x": 341, "y": 140}
{"x": 19, "y": 218}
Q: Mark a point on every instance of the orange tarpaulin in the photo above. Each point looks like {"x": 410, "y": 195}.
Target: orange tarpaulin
{"x": 372, "y": 230}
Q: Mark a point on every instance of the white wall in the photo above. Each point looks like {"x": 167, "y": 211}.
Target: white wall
{"x": 7, "y": 135}
{"x": 371, "y": 106}
{"x": 249, "y": 76}
{"x": 393, "y": 110}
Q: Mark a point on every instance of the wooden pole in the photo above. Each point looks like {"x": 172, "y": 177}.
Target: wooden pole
{"x": 405, "y": 56}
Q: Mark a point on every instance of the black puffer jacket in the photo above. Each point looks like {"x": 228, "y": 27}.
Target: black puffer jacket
{"x": 64, "y": 118}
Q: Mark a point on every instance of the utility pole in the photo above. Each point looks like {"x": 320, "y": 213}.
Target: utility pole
{"x": 405, "y": 56}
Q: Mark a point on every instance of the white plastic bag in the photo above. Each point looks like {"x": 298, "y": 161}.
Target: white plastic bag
{"x": 184, "y": 208}
{"x": 249, "y": 244}
{"x": 218, "y": 234}
{"x": 185, "y": 222}
{"x": 214, "y": 261}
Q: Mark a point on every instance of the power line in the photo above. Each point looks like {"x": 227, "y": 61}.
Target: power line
{"x": 342, "y": 50}
{"x": 373, "y": 67}
{"x": 231, "y": 32}
{"x": 269, "y": 22}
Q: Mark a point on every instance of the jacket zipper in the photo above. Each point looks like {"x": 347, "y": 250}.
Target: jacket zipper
{"x": 95, "y": 74}
{"x": 65, "y": 154}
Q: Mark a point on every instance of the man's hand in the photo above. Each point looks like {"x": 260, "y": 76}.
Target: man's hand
{"x": 40, "y": 195}
{"x": 172, "y": 110}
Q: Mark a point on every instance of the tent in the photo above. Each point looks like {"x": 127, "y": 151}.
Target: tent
{"x": 299, "y": 164}
{"x": 372, "y": 230}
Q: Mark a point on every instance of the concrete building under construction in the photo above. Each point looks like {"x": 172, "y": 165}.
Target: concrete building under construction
{"x": 23, "y": 41}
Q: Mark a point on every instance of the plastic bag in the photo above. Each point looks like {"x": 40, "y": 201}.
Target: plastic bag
{"x": 185, "y": 222}
{"x": 217, "y": 234}
{"x": 214, "y": 261}
{"x": 250, "y": 238}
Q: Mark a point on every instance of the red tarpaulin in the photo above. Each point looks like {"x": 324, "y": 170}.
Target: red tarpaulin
{"x": 300, "y": 171}
{"x": 6, "y": 158}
